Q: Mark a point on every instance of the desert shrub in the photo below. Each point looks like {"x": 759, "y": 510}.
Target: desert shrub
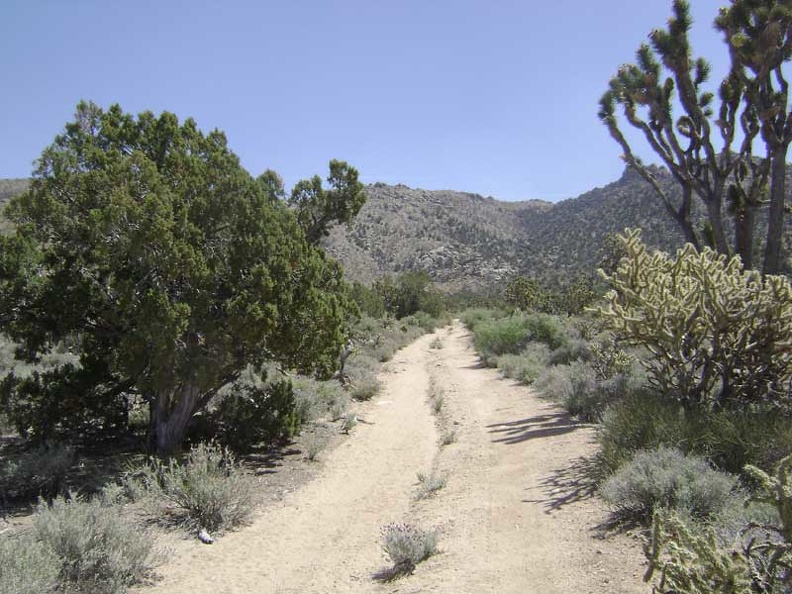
{"x": 733, "y": 439}
{"x": 313, "y": 445}
{"x": 570, "y": 351}
{"x": 407, "y": 545}
{"x": 582, "y": 396}
{"x": 547, "y": 329}
{"x": 500, "y": 337}
{"x": 99, "y": 550}
{"x": 667, "y": 478}
{"x": 41, "y": 471}
{"x": 436, "y": 344}
{"x": 27, "y": 566}
{"x": 254, "y": 410}
{"x": 718, "y": 335}
{"x": 427, "y": 322}
{"x": 642, "y": 421}
{"x": 577, "y": 389}
{"x": 366, "y": 387}
{"x": 473, "y": 316}
{"x": 209, "y": 490}
{"x": 429, "y": 484}
{"x": 362, "y": 370}
{"x": 314, "y": 399}
{"x": 729, "y": 439}
{"x": 527, "y": 366}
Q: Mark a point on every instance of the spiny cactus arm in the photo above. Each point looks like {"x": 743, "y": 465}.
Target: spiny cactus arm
{"x": 691, "y": 562}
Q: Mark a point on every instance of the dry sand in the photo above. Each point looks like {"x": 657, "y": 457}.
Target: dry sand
{"x": 513, "y": 516}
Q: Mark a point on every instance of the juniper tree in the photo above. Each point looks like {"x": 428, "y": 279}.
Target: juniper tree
{"x": 712, "y": 149}
{"x": 319, "y": 208}
{"x": 144, "y": 242}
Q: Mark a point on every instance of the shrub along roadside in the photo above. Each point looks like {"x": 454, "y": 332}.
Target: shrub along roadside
{"x": 27, "y": 566}
{"x": 100, "y": 551}
{"x": 208, "y": 491}
{"x": 666, "y": 478}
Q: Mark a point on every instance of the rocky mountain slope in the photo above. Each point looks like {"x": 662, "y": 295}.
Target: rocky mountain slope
{"x": 466, "y": 241}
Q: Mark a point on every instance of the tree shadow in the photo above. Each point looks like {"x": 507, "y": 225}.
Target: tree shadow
{"x": 567, "y": 485}
{"x": 547, "y": 425}
{"x": 267, "y": 459}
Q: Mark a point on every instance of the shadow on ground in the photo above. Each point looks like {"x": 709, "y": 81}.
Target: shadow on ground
{"x": 547, "y": 425}
{"x": 566, "y": 485}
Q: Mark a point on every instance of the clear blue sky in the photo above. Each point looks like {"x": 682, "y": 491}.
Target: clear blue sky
{"x": 497, "y": 97}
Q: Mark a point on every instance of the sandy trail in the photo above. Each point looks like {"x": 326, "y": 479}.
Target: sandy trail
{"x": 509, "y": 518}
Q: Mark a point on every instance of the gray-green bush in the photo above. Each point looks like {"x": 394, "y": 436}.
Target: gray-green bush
{"x": 100, "y": 551}
{"x": 407, "y": 545}
{"x": 527, "y": 366}
{"x": 209, "y": 490}
{"x": 666, "y": 478}
{"x": 27, "y": 566}
{"x": 643, "y": 419}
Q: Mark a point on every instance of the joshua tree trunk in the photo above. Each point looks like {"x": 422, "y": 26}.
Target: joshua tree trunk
{"x": 775, "y": 215}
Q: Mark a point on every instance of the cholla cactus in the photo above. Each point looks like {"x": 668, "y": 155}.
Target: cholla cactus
{"x": 718, "y": 335}
{"x": 691, "y": 560}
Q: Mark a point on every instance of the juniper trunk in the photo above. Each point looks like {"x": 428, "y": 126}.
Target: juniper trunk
{"x": 170, "y": 412}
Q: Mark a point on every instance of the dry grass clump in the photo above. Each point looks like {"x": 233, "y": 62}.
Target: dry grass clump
{"x": 429, "y": 484}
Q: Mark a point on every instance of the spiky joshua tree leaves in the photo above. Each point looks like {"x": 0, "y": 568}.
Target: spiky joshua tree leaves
{"x": 146, "y": 244}
{"x": 726, "y": 151}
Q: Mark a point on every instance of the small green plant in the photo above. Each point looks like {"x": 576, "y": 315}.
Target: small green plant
{"x": 666, "y": 478}
{"x": 406, "y": 546}
{"x": 27, "y": 566}
{"x": 437, "y": 403}
{"x": 436, "y": 343}
{"x": 99, "y": 550}
{"x": 429, "y": 484}
{"x": 209, "y": 490}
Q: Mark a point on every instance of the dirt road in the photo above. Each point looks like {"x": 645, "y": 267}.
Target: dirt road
{"x": 509, "y": 519}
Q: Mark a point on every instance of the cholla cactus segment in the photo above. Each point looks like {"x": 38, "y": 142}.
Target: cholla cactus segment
{"x": 718, "y": 335}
